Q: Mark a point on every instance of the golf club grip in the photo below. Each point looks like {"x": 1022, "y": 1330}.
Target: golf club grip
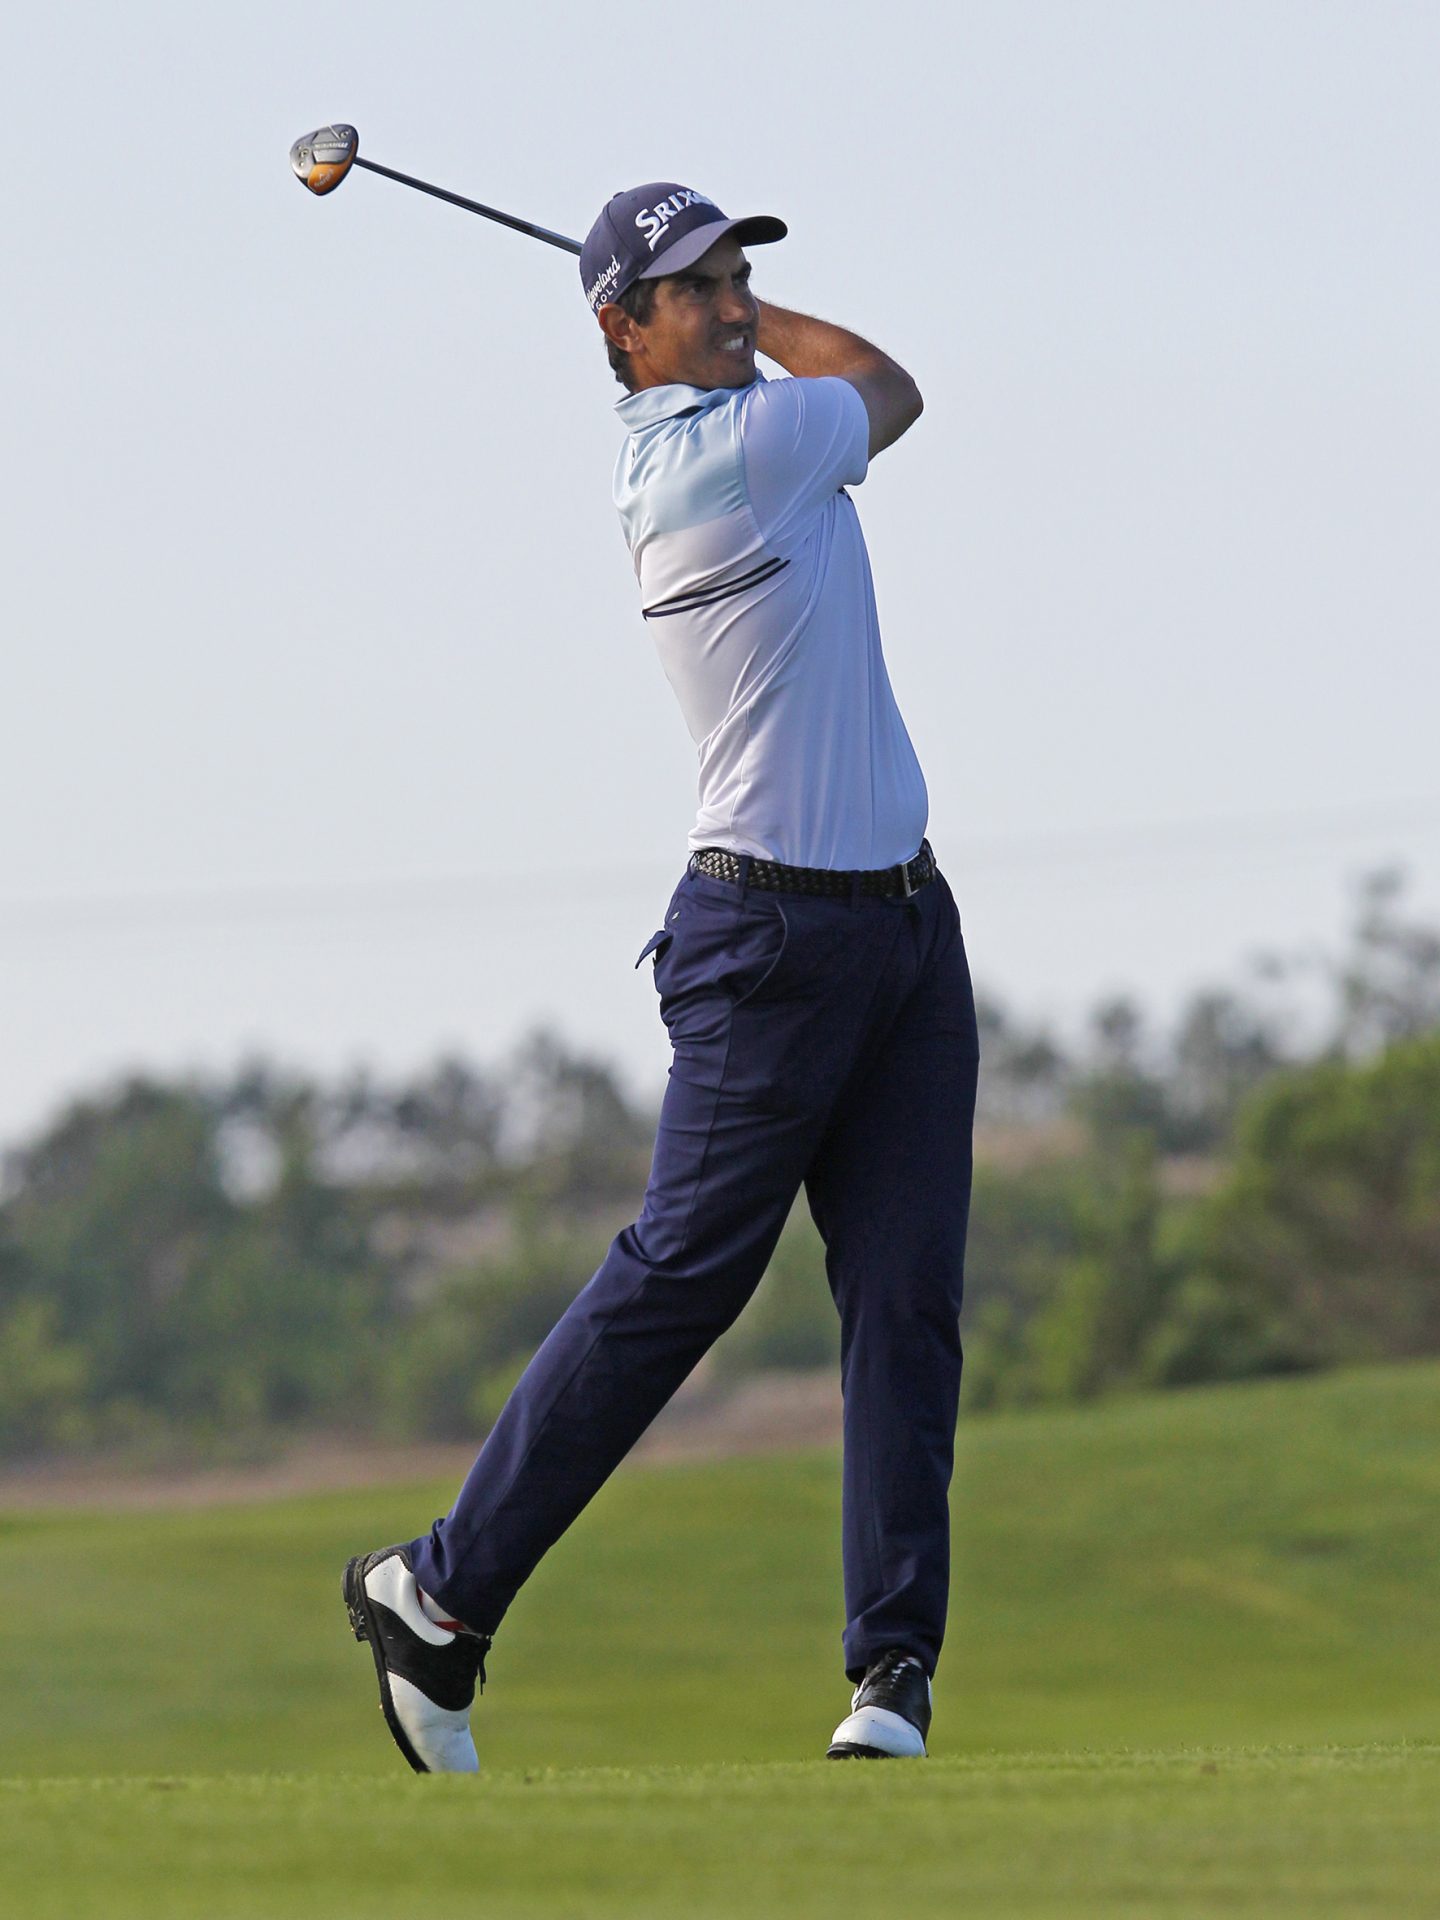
{"x": 473, "y": 206}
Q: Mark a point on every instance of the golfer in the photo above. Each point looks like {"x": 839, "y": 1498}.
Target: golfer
{"x": 811, "y": 975}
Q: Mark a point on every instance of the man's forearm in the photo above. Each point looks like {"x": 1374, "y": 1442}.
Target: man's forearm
{"x": 811, "y": 349}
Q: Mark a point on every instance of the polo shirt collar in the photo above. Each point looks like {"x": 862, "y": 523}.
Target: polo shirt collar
{"x": 654, "y": 404}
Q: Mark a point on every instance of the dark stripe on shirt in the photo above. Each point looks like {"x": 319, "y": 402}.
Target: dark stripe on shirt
{"x": 707, "y": 596}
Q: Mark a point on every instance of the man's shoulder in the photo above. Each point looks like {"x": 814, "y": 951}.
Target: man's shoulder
{"x": 774, "y": 449}
{"x": 824, "y": 396}
{"x": 681, "y": 462}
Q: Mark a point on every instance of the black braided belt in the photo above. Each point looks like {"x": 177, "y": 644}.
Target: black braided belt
{"x": 769, "y": 876}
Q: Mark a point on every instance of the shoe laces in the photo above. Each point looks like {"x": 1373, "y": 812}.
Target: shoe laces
{"x": 885, "y": 1674}
{"x": 468, "y": 1646}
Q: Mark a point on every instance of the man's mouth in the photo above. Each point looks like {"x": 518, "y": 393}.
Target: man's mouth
{"x": 735, "y": 343}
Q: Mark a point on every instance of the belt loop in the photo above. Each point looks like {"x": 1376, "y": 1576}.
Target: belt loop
{"x": 745, "y": 859}
{"x": 855, "y": 879}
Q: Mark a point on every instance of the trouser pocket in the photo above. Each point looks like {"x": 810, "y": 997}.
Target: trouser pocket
{"x": 656, "y": 944}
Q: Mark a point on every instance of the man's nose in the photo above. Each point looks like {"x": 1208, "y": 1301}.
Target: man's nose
{"x": 738, "y": 304}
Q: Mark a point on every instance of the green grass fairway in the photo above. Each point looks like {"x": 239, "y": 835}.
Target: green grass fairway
{"x": 1256, "y": 1566}
{"x": 1266, "y": 1834}
{"x": 1150, "y": 1587}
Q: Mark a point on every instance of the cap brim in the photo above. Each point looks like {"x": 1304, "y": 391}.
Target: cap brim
{"x": 757, "y": 230}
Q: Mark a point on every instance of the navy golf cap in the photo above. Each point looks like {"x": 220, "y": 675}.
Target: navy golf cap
{"x": 657, "y": 229}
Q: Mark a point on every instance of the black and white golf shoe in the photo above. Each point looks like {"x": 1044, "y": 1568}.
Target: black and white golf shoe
{"x": 889, "y": 1712}
{"x": 427, "y": 1673}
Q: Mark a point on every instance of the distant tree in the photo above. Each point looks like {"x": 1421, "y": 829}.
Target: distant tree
{"x": 186, "y": 1303}
{"x": 43, "y": 1379}
{"x": 1090, "y": 1334}
{"x": 1024, "y": 1071}
{"x": 1119, "y": 1094}
{"x": 110, "y": 1210}
{"x": 449, "y": 1368}
{"x": 44, "y": 1382}
{"x": 791, "y": 1321}
{"x": 1329, "y": 1223}
{"x": 1024, "y": 1227}
{"x": 456, "y": 1116}
{"x": 438, "y": 1133}
{"x": 1388, "y": 984}
{"x": 581, "y": 1137}
{"x": 1223, "y": 1048}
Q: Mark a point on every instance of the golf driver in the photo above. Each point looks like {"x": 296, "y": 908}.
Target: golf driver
{"x": 322, "y": 159}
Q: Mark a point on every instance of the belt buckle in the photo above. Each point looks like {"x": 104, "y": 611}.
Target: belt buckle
{"x": 906, "y": 889}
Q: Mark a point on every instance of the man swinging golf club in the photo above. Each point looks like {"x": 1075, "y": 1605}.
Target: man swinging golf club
{"x": 811, "y": 975}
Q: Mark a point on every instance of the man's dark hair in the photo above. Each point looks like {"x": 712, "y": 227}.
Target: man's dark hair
{"x": 638, "y": 300}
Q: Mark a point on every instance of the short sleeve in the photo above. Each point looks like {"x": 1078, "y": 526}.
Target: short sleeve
{"x": 802, "y": 440}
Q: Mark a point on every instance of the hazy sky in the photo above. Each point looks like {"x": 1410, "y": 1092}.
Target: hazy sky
{"x": 328, "y": 723}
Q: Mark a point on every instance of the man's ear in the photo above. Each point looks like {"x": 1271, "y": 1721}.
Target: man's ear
{"x": 619, "y": 328}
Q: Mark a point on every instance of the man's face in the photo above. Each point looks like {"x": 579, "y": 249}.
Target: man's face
{"x": 701, "y": 329}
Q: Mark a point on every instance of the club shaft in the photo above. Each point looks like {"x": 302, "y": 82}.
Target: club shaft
{"x": 473, "y": 206}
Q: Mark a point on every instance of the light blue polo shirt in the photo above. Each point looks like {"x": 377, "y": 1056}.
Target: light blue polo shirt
{"x": 755, "y": 583}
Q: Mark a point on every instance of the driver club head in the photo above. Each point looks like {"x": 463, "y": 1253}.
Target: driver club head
{"x": 322, "y": 159}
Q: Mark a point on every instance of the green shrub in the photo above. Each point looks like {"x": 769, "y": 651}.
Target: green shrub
{"x": 1328, "y": 1227}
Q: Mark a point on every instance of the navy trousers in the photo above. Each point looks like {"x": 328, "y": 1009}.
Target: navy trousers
{"x": 829, "y": 1043}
